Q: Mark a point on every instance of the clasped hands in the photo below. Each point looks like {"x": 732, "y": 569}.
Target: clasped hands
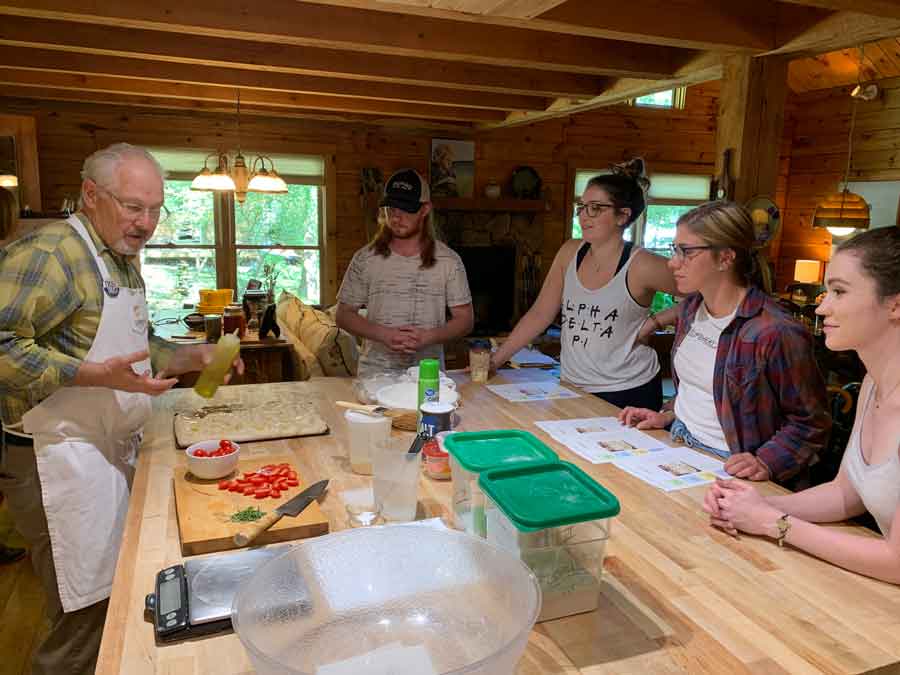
{"x": 405, "y": 339}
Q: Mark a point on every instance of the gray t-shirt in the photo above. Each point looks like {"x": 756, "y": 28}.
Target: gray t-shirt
{"x": 397, "y": 291}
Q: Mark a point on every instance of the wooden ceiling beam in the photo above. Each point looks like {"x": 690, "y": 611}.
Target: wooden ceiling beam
{"x": 64, "y": 97}
{"x": 262, "y": 56}
{"x": 370, "y": 31}
{"x": 736, "y": 25}
{"x": 883, "y": 8}
{"x": 704, "y": 68}
{"x": 808, "y": 31}
{"x": 51, "y": 60}
{"x": 252, "y": 97}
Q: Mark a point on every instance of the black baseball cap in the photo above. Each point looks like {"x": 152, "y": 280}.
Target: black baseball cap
{"x": 406, "y": 190}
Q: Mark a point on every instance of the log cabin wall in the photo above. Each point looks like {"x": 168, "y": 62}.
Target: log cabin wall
{"x": 819, "y": 124}
{"x": 680, "y": 141}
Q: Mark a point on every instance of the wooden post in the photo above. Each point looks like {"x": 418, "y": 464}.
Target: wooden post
{"x": 751, "y": 122}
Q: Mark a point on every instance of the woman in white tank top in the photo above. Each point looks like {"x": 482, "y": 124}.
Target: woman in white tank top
{"x": 604, "y": 290}
{"x": 861, "y": 311}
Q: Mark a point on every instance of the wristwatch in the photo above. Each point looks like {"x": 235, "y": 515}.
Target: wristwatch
{"x": 784, "y": 526}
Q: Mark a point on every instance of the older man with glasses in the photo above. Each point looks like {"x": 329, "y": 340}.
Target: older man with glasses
{"x": 75, "y": 387}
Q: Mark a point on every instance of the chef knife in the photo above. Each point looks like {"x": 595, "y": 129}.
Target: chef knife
{"x": 293, "y": 507}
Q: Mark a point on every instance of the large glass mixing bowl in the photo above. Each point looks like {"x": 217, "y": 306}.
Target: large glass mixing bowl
{"x": 402, "y": 598}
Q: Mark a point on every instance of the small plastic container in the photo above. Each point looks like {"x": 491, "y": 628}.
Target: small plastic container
{"x": 561, "y": 537}
{"x": 437, "y": 462}
{"x": 365, "y": 432}
{"x": 479, "y": 360}
{"x": 473, "y": 452}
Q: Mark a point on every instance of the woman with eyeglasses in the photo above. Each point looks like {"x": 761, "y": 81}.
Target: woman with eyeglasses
{"x": 604, "y": 286}
{"x": 748, "y": 387}
{"x": 861, "y": 311}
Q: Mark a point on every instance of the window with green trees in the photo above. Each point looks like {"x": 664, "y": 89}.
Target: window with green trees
{"x": 276, "y": 233}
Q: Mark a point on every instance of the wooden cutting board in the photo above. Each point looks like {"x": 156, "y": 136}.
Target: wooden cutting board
{"x": 204, "y": 511}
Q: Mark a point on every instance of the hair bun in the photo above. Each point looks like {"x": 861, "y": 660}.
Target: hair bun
{"x": 635, "y": 169}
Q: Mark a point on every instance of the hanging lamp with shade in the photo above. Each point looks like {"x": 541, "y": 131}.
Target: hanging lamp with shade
{"x": 846, "y": 212}
{"x": 235, "y": 176}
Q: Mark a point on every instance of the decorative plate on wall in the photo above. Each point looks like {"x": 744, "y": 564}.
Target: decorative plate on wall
{"x": 525, "y": 183}
{"x": 766, "y": 218}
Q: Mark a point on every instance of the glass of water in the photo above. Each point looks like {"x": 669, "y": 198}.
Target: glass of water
{"x": 396, "y": 477}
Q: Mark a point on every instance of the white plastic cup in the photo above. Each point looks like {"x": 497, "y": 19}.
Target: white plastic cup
{"x": 396, "y": 478}
{"x": 365, "y": 432}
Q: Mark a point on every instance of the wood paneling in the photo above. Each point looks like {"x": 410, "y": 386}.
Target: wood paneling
{"x": 671, "y": 141}
{"x": 820, "y": 125}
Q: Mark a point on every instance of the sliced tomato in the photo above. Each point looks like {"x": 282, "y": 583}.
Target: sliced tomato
{"x": 292, "y": 482}
{"x": 275, "y": 493}
{"x": 224, "y": 484}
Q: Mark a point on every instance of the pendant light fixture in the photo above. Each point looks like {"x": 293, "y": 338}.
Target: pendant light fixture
{"x": 845, "y": 212}
{"x": 236, "y": 177}
{"x": 8, "y": 180}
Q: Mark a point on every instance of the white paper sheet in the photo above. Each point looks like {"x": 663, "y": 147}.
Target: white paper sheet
{"x": 673, "y": 468}
{"x": 601, "y": 439}
{"x": 540, "y": 390}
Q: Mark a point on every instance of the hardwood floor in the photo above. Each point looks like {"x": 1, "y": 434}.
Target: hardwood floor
{"x": 21, "y": 606}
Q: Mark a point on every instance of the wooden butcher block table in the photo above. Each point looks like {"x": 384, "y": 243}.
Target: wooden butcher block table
{"x": 677, "y": 596}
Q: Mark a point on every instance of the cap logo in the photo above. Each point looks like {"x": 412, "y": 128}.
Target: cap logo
{"x": 403, "y": 185}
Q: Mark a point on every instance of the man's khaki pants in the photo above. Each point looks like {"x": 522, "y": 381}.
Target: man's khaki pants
{"x": 73, "y": 641}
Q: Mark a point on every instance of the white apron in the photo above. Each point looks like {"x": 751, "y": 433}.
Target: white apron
{"x": 85, "y": 443}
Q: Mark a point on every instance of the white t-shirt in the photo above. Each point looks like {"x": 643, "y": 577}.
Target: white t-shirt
{"x": 396, "y": 292}
{"x": 695, "y": 363}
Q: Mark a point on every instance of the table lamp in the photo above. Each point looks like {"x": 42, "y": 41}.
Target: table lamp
{"x": 806, "y": 284}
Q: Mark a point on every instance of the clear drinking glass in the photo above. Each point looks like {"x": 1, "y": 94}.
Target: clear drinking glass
{"x": 396, "y": 477}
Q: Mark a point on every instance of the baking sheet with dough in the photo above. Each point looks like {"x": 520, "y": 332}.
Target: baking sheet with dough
{"x": 239, "y": 414}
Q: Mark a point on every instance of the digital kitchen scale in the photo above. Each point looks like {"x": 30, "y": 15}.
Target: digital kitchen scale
{"x": 195, "y": 598}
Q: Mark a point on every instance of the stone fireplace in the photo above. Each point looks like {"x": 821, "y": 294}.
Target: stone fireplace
{"x": 499, "y": 242}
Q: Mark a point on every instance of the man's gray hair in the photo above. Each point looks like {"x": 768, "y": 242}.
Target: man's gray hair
{"x": 101, "y": 166}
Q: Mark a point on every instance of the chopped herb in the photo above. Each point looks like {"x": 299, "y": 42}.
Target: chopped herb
{"x": 248, "y": 515}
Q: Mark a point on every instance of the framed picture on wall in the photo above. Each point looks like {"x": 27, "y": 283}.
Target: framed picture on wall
{"x": 452, "y": 168}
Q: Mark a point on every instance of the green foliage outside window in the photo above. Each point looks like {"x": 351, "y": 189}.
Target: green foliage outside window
{"x": 275, "y": 223}
{"x": 288, "y": 220}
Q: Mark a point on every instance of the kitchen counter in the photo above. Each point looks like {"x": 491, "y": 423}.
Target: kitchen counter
{"x": 677, "y": 596}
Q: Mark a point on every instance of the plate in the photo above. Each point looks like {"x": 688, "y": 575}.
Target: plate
{"x": 526, "y": 183}
{"x": 413, "y": 373}
{"x": 766, "y": 218}
{"x": 405, "y": 395}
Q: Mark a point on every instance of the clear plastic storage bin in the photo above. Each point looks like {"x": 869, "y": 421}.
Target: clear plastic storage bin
{"x": 473, "y": 452}
{"x": 557, "y": 519}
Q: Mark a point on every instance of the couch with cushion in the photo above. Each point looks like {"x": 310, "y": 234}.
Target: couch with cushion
{"x": 320, "y": 348}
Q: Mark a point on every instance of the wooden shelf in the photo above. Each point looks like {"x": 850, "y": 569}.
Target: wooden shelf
{"x": 486, "y": 204}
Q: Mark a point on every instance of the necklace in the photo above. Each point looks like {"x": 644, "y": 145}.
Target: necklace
{"x": 887, "y": 396}
{"x": 599, "y": 263}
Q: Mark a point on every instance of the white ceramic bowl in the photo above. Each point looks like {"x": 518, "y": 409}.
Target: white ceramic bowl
{"x": 446, "y": 381}
{"x": 405, "y": 395}
{"x": 209, "y": 468}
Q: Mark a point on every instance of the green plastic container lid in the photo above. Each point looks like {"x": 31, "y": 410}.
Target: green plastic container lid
{"x": 542, "y": 496}
{"x": 479, "y": 451}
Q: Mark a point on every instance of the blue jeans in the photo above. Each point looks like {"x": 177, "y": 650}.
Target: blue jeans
{"x": 679, "y": 432}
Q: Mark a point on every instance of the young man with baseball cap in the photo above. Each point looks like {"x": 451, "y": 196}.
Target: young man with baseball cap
{"x": 407, "y": 281}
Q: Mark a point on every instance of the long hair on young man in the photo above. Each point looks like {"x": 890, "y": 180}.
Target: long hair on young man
{"x": 381, "y": 242}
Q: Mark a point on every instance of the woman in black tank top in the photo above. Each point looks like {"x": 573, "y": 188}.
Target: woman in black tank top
{"x": 610, "y": 204}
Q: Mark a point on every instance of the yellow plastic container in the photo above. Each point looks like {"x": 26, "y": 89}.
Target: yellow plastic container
{"x": 212, "y": 377}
